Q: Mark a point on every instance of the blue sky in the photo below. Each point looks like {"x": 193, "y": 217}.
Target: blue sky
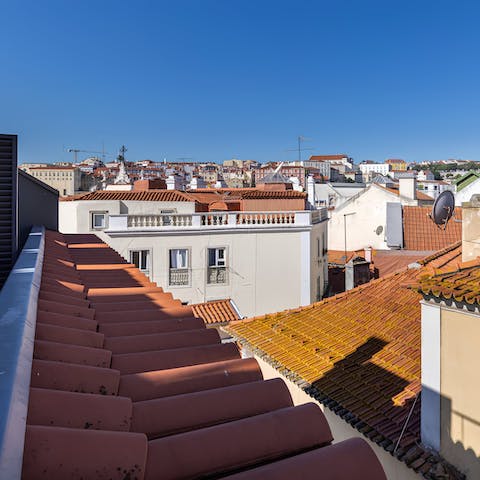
{"x": 214, "y": 80}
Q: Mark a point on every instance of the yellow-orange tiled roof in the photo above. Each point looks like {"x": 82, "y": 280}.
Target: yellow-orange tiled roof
{"x": 217, "y": 311}
{"x": 461, "y": 285}
{"x": 358, "y": 351}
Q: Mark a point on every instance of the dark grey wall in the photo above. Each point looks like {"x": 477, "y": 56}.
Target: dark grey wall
{"x": 37, "y": 205}
{"x": 8, "y": 204}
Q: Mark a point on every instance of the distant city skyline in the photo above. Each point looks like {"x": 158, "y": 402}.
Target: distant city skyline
{"x": 216, "y": 80}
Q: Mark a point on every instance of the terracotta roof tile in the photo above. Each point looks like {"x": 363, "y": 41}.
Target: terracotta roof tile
{"x": 358, "y": 352}
{"x": 395, "y": 190}
{"x": 420, "y": 233}
{"x": 140, "y": 196}
{"x": 216, "y": 311}
{"x": 461, "y": 285}
{"x": 113, "y": 350}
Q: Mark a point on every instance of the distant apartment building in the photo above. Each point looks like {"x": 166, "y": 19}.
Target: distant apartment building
{"x": 339, "y": 163}
{"x": 368, "y": 167}
{"x": 262, "y": 249}
{"x": 397, "y": 164}
{"x": 65, "y": 178}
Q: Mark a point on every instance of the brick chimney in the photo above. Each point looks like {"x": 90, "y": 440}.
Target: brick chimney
{"x": 408, "y": 187}
{"x": 471, "y": 229}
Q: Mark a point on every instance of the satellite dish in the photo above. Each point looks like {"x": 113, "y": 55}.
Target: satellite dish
{"x": 443, "y": 208}
{"x": 379, "y": 230}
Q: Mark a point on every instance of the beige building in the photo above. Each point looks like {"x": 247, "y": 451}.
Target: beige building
{"x": 450, "y": 355}
{"x": 64, "y": 178}
{"x": 264, "y": 261}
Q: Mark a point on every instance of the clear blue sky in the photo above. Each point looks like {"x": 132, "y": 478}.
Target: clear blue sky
{"x": 219, "y": 79}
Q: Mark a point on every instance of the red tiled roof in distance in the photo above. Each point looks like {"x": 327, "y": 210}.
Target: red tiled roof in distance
{"x": 139, "y": 196}
{"x": 321, "y": 158}
{"x": 216, "y": 311}
{"x": 395, "y": 190}
{"x": 421, "y": 233}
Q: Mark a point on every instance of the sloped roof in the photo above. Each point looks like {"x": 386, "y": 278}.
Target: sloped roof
{"x": 319, "y": 158}
{"x": 459, "y": 285}
{"x": 216, "y": 311}
{"x": 359, "y": 353}
{"x": 273, "y": 194}
{"x": 395, "y": 190}
{"x": 466, "y": 180}
{"x": 127, "y": 383}
{"x": 275, "y": 177}
{"x": 420, "y": 233}
{"x": 141, "y": 196}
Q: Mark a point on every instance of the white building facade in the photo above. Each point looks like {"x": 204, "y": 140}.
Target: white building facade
{"x": 263, "y": 261}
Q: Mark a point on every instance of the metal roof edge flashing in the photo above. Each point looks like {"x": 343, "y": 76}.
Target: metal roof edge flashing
{"x": 18, "y": 311}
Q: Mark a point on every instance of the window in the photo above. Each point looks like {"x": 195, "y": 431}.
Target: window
{"x": 179, "y": 269}
{"x": 64, "y": 191}
{"x": 99, "y": 220}
{"x": 217, "y": 266}
{"x": 141, "y": 259}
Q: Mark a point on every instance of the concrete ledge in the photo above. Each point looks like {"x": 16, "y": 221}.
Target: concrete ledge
{"x": 18, "y": 311}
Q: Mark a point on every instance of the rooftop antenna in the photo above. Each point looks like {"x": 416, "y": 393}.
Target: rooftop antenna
{"x": 443, "y": 209}
{"x": 299, "y": 149}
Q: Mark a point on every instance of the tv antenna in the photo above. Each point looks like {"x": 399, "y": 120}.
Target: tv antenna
{"x": 299, "y": 149}
{"x": 443, "y": 209}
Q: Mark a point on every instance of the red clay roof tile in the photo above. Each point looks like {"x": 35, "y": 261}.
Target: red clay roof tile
{"x": 215, "y": 311}
{"x": 225, "y": 402}
{"x": 420, "y": 233}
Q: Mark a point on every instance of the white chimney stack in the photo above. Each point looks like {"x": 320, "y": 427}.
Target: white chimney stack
{"x": 408, "y": 187}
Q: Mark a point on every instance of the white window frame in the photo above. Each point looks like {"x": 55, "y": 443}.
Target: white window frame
{"x": 218, "y": 263}
{"x": 187, "y": 267}
{"x": 105, "y": 220}
{"x": 148, "y": 270}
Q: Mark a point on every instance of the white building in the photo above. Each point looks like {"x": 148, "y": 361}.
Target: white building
{"x": 373, "y": 217}
{"x": 263, "y": 261}
{"x": 333, "y": 195}
{"x": 367, "y": 168}
{"x": 434, "y": 188}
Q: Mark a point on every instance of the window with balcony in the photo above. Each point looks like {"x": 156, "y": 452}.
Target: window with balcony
{"x": 99, "y": 220}
{"x": 141, "y": 259}
{"x": 217, "y": 266}
{"x": 179, "y": 269}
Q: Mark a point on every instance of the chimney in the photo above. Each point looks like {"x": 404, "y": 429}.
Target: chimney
{"x": 170, "y": 182}
{"x": 349, "y": 275}
{"x": 408, "y": 187}
{"x": 368, "y": 254}
{"x": 311, "y": 191}
{"x": 470, "y": 229}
